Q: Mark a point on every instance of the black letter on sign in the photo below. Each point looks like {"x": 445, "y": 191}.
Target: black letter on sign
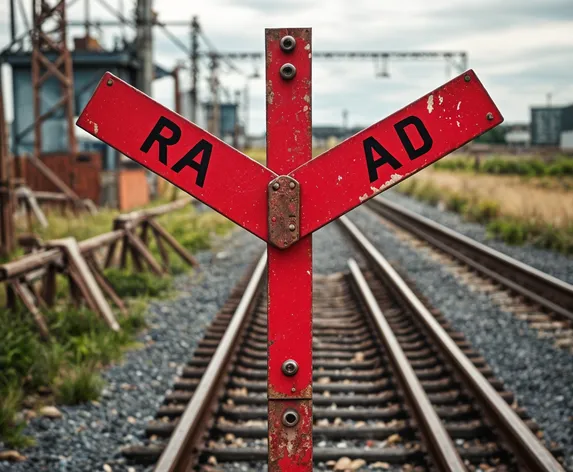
{"x": 422, "y": 131}
{"x": 385, "y": 158}
{"x": 155, "y": 136}
{"x": 201, "y": 167}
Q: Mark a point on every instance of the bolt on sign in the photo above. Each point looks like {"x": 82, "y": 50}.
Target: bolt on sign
{"x": 284, "y": 203}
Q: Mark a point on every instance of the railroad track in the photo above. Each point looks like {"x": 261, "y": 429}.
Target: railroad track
{"x": 394, "y": 386}
{"x": 542, "y": 300}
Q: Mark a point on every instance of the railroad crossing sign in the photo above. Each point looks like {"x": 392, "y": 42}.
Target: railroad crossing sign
{"x": 284, "y": 203}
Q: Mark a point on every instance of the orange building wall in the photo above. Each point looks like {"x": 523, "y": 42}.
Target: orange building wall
{"x": 133, "y": 190}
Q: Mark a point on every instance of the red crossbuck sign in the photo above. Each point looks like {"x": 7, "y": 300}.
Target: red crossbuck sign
{"x": 284, "y": 203}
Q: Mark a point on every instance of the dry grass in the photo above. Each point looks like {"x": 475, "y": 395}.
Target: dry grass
{"x": 517, "y": 197}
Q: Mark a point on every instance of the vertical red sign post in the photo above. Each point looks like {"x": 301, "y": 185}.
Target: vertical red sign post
{"x": 289, "y": 145}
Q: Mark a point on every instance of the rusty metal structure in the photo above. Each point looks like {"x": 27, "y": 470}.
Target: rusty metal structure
{"x": 7, "y": 237}
{"x": 52, "y": 59}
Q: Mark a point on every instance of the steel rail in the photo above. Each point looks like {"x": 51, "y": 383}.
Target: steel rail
{"x": 526, "y": 447}
{"x": 551, "y": 293}
{"x": 438, "y": 442}
{"x": 181, "y": 450}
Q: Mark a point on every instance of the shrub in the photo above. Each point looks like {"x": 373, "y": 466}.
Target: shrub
{"x": 78, "y": 384}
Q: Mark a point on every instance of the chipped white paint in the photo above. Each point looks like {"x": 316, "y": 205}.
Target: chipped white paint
{"x": 307, "y": 47}
{"x": 95, "y": 126}
{"x": 440, "y": 99}
{"x": 309, "y": 55}
{"x": 393, "y": 179}
{"x": 308, "y": 272}
{"x": 307, "y": 98}
{"x": 305, "y": 108}
{"x": 430, "y": 104}
{"x": 458, "y": 107}
{"x": 339, "y": 178}
{"x": 458, "y": 123}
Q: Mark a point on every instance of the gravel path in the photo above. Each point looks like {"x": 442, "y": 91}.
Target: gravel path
{"x": 540, "y": 375}
{"x": 90, "y": 436}
{"x": 552, "y": 262}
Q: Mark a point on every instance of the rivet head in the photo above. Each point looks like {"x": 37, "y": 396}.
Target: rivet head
{"x": 287, "y": 71}
{"x": 292, "y": 185}
{"x": 276, "y": 186}
{"x": 287, "y": 43}
{"x": 290, "y": 417}
{"x": 467, "y": 78}
{"x": 274, "y": 219}
{"x": 289, "y": 367}
{"x": 109, "y": 82}
{"x": 291, "y": 227}
{"x": 489, "y": 116}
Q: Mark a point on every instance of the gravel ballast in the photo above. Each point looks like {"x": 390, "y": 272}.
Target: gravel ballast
{"x": 90, "y": 436}
{"x": 539, "y": 374}
{"x": 558, "y": 265}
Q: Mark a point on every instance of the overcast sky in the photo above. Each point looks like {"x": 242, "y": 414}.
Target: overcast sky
{"x": 521, "y": 50}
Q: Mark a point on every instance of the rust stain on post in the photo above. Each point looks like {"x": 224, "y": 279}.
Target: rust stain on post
{"x": 284, "y": 211}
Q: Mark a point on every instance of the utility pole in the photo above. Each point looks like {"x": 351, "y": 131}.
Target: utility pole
{"x": 145, "y": 46}
{"x": 12, "y": 21}
{"x": 194, "y": 66}
{"x": 6, "y": 189}
{"x": 176, "y": 86}
{"x": 214, "y": 84}
{"x": 236, "y": 127}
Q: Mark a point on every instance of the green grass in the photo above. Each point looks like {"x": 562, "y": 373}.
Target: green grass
{"x": 67, "y": 365}
{"x": 560, "y": 166}
{"x": 511, "y": 230}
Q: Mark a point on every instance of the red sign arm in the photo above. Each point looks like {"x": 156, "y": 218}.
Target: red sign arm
{"x": 182, "y": 153}
{"x": 393, "y": 149}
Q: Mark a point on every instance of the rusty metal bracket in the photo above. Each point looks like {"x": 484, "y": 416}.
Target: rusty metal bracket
{"x": 284, "y": 211}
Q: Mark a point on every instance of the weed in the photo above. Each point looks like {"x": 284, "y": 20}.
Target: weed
{"x": 137, "y": 284}
{"x": 78, "y": 384}
{"x": 19, "y": 345}
{"x": 11, "y": 429}
{"x": 456, "y": 202}
{"x": 47, "y": 364}
{"x": 428, "y": 193}
{"x": 509, "y": 231}
{"x": 482, "y": 211}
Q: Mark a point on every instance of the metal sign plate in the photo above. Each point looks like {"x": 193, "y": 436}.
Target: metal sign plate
{"x": 174, "y": 148}
{"x": 393, "y": 149}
